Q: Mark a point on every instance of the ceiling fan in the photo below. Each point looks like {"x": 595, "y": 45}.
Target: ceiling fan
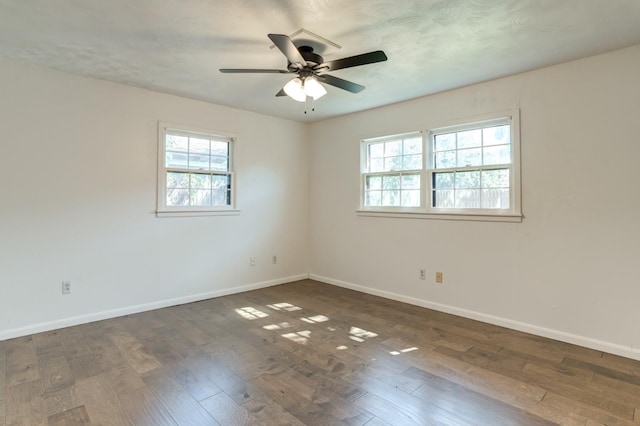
{"x": 311, "y": 69}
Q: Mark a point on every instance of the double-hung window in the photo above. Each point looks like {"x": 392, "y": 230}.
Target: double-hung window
{"x": 461, "y": 171}
{"x": 195, "y": 172}
{"x": 393, "y": 172}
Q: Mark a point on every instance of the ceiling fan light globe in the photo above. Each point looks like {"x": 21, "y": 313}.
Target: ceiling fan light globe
{"x": 294, "y": 90}
{"x": 313, "y": 88}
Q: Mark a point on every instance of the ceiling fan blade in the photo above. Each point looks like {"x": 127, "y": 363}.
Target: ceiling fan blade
{"x": 340, "y": 83}
{"x": 353, "y": 61}
{"x": 289, "y": 49}
{"x": 281, "y": 93}
{"x": 261, "y": 71}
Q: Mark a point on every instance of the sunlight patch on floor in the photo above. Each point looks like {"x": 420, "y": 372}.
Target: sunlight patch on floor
{"x": 300, "y": 337}
{"x": 359, "y": 334}
{"x": 284, "y": 307}
{"x": 251, "y": 313}
{"x": 315, "y": 319}
{"x": 279, "y": 326}
{"x": 403, "y": 351}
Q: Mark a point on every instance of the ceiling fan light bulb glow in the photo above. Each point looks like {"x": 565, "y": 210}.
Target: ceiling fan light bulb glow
{"x": 295, "y": 91}
{"x": 313, "y": 88}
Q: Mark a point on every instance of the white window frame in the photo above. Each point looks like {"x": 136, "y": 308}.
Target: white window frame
{"x": 364, "y": 167}
{"x": 426, "y": 210}
{"x": 162, "y": 209}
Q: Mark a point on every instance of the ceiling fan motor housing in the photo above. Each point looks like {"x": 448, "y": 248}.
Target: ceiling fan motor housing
{"x": 313, "y": 59}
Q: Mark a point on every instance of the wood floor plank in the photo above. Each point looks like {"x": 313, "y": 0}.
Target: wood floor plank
{"x": 295, "y": 398}
{"x": 144, "y": 408}
{"x": 21, "y": 362}
{"x": 61, "y": 400}
{"x": 470, "y": 405}
{"x": 569, "y": 406}
{"x": 75, "y": 416}
{"x": 55, "y": 373}
{"x": 24, "y": 404}
{"x": 134, "y": 352}
{"x": 101, "y": 402}
{"x": 226, "y": 411}
{"x": 179, "y": 403}
{"x": 85, "y": 366}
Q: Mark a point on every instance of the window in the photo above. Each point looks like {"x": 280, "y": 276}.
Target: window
{"x": 460, "y": 171}
{"x": 393, "y": 171}
{"x": 195, "y": 172}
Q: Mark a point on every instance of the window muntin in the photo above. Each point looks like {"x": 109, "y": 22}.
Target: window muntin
{"x": 471, "y": 169}
{"x": 196, "y": 171}
{"x": 393, "y": 171}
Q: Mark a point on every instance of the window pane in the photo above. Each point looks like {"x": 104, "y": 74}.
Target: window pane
{"x": 219, "y": 163}
{"x": 392, "y": 148}
{"x": 200, "y": 197}
{"x": 373, "y": 198}
{"x": 198, "y": 162}
{"x": 221, "y": 182}
{"x": 177, "y": 143}
{"x": 200, "y": 181}
{"x": 412, "y": 146}
{"x": 495, "y": 178}
{"x": 470, "y": 138}
{"x": 373, "y": 182}
{"x": 500, "y": 154}
{"x": 176, "y": 159}
{"x": 468, "y": 199}
{"x": 467, "y": 180}
{"x": 177, "y": 180}
{"x": 445, "y": 142}
{"x": 498, "y": 135}
{"x": 197, "y": 145}
{"x": 391, "y": 198}
{"x": 412, "y": 162}
{"x": 445, "y": 159}
{"x": 444, "y": 180}
{"x": 376, "y": 150}
{"x": 392, "y": 163}
{"x": 495, "y": 198}
{"x": 220, "y": 197}
{"x": 220, "y": 148}
{"x": 470, "y": 157}
{"x": 443, "y": 199}
{"x": 411, "y": 198}
{"x": 391, "y": 182}
{"x": 376, "y": 165}
{"x": 177, "y": 197}
{"x": 411, "y": 182}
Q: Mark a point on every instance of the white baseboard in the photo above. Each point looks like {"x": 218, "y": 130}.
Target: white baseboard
{"x": 128, "y": 310}
{"x": 599, "y": 345}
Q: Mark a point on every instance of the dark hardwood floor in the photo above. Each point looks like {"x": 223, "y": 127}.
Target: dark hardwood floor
{"x": 308, "y": 353}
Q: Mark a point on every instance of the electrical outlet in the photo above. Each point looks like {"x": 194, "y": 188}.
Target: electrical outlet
{"x": 275, "y": 259}
{"x": 252, "y": 261}
{"x": 439, "y": 277}
{"x": 423, "y": 274}
{"x": 66, "y": 287}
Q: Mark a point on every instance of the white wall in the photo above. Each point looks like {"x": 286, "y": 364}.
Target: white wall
{"x": 568, "y": 271}
{"x": 78, "y": 160}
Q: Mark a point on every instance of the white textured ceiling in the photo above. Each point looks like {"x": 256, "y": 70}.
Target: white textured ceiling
{"x": 177, "y": 46}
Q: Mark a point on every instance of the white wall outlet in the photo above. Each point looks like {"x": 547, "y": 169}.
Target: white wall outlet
{"x": 274, "y": 260}
{"x": 252, "y": 261}
{"x": 66, "y": 287}
{"x": 423, "y": 274}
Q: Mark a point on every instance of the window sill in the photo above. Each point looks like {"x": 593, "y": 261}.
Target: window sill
{"x": 196, "y": 213}
{"x": 516, "y": 218}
